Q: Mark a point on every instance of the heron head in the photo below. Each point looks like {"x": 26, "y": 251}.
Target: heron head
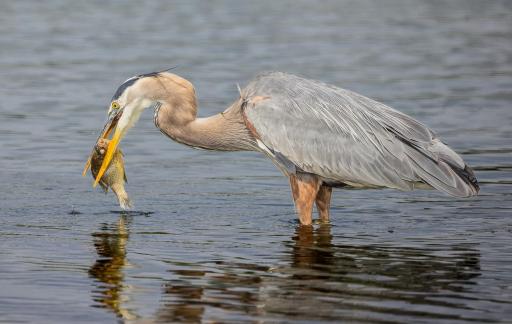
{"x": 128, "y": 102}
{"x": 135, "y": 95}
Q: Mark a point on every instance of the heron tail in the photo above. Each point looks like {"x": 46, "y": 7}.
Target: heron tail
{"x": 446, "y": 172}
{"x": 467, "y": 175}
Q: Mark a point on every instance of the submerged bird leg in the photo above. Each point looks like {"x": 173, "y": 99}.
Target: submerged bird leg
{"x": 304, "y": 190}
{"x": 323, "y": 202}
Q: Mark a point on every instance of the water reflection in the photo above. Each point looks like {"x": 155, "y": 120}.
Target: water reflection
{"x": 187, "y": 305}
{"x": 430, "y": 268}
{"x": 110, "y": 244}
{"x": 318, "y": 279}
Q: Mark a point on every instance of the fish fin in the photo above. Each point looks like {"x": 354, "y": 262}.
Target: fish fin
{"x": 103, "y": 186}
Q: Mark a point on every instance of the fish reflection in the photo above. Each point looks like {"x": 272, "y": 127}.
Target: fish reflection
{"x": 320, "y": 280}
{"x": 110, "y": 244}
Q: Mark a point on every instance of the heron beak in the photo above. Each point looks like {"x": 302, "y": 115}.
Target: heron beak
{"x": 107, "y": 129}
{"x": 112, "y": 146}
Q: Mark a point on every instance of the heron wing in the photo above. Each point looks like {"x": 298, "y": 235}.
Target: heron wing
{"x": 346, "y": 137}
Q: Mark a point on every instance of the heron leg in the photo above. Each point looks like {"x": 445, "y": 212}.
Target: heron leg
{"x": 304, "y": 190}
{"x": 323, "y": 202}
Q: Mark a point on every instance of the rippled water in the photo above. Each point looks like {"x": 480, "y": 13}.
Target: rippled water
{"x": 214, "y": 236}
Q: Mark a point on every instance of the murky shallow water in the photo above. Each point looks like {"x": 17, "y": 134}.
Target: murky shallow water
{"x": 214, "y": 237}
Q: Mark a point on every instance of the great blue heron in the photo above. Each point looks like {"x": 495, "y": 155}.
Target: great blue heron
{"x": 320, "y": 136}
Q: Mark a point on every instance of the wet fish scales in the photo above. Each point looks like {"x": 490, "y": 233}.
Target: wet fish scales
{"x": 115, "y": 176}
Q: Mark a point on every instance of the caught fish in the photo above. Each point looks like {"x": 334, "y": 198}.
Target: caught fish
{"x": 115, "y": 176}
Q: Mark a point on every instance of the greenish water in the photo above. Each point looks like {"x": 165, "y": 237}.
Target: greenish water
{"x": 213, "y": 236}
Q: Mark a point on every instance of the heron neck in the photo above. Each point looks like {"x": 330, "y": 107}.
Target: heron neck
{"x": 221, "y": 132}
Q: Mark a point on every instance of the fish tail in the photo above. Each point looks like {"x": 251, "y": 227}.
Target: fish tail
{"x": 124, "y": 201}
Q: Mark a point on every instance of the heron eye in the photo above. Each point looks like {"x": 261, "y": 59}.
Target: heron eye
{"x": 115, "y": 105}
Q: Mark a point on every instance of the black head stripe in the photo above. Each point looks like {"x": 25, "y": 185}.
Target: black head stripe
{"x": 123, "y": 87}
{"x": 152, "y": 74}
{"x": 131, "y": 81}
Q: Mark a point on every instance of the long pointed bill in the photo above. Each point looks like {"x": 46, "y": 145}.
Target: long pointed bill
{"x": 112, "y": 146}
{"x": 109, "y": 126}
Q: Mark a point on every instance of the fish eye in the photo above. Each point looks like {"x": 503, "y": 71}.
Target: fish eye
{"x": 115, "y": 105}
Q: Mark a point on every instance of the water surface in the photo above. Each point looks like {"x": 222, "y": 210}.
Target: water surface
{"x": 213, "y": 236}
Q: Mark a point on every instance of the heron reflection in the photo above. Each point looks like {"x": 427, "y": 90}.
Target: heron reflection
{"x": 378, "y": 278}
{"x": 318, "y": 277}
{"x": 187, "y": 305}
{"x": 321, "y": 278}
{"x": 110, "y": 244}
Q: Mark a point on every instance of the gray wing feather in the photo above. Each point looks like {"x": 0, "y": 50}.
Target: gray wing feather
{"x": 343, "y": 136}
